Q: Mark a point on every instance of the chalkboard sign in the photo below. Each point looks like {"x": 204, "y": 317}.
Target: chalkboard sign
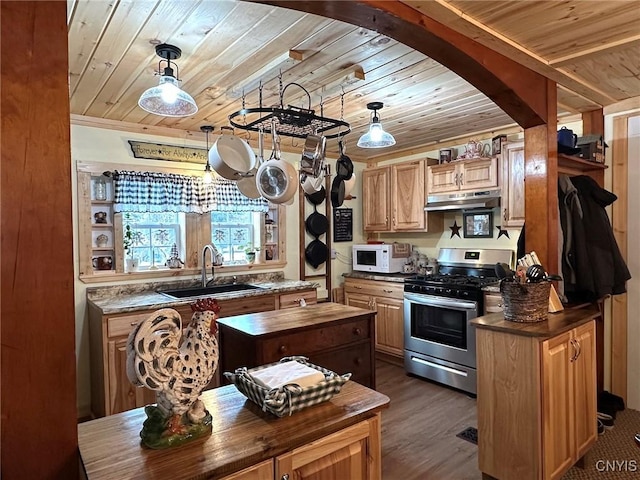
{"x": 342, "y": 224}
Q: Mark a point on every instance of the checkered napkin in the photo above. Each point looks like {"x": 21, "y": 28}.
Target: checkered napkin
{"x": 289, "y": 398}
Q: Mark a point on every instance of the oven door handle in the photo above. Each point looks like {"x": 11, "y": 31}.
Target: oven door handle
{"x": 441, "y": 302}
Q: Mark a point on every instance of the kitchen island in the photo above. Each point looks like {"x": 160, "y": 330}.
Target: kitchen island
{"x": 340, "y": 436}
{"x": 536, "y": 393}
{"x": 335, "y": 336}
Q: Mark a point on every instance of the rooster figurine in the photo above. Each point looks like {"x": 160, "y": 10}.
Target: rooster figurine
{"x": 178, "y": 367}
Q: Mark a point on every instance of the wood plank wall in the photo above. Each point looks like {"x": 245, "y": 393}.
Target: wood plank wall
{"x": 39, "y": 436}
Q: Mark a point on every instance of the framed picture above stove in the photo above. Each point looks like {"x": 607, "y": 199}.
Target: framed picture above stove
{"x": 477, "y": 224}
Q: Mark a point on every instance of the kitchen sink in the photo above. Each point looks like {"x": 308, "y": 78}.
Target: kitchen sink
{"x": 212, "y": 290}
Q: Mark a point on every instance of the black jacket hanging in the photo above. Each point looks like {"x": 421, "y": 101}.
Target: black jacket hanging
{"x": 593, "y": 253}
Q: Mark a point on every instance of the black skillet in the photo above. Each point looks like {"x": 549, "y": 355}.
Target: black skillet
{"x": 316, "y": 223}
{"x": 344, "y": 165}
{"x": 337, "y": 191}
{"x": 318, "y": 197}
{"x": 316, "y": 253}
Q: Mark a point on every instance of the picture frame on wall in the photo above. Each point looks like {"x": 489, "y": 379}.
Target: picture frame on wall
{"x": 477, "y": 224}
{"x": 496, "y": 144}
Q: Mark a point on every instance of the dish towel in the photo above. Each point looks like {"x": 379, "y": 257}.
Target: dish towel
{"x": 287, "y": 373}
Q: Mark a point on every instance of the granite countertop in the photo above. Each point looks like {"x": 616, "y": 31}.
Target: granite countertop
{"x": 132, "y": 297}
{"x": 381, "y": 277}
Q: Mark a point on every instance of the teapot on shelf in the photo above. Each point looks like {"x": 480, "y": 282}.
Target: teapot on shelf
{"x": 474, "y": 149}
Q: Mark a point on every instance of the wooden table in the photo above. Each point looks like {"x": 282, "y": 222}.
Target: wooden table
{"x": 335, "y": 336}
{"x": 243, "y": 436}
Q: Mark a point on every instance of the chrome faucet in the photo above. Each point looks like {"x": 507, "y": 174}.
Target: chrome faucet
{"x": 204, "y": 264}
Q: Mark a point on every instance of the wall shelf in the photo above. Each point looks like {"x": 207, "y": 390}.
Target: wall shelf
{"x": 575, "y": 165}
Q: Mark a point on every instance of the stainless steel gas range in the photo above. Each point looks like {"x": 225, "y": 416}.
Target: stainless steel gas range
{"x": 439, "y": 343}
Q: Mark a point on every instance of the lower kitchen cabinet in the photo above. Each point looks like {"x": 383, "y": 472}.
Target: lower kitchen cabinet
{"x": 386, "y": 299}
{"x": 536, "y": 395}
{"x": 111, "y": 390}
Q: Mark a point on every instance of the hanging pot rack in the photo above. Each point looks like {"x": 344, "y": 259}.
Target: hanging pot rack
{"x": 290, "y": 121}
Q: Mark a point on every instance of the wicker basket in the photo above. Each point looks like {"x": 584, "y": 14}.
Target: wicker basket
{"x": 287, "y": 399}
{"x": 525, "y": 302}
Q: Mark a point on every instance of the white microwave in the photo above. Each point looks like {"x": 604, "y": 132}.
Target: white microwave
{"x": 380, "y": 258}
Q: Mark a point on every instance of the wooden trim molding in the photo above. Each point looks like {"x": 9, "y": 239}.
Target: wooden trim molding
{"x": 619, "y": 214}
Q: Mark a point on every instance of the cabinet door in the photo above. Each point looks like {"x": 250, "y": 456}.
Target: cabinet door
{"x": 513, "y": 185}
{"x": 478, "y": 174}
{"x": 389, "y": 326}
{"x": 122, "y": 394}
{"x": 342, "y": 455}
{"x": 261, "y": 471}
{"x": 584, "y": 383}
{"x": 442, "y": 178}
{"x": 408, "y": 196}
{"x": 358, "y": 300}
{"x": 557, "y": 408}
{"x": 376, "y": 203}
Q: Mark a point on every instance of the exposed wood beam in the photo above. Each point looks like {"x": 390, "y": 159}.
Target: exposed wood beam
{"x": 589, "y": 53}
{"x": 515, "y": 88}
{"x": 464, "y": 24}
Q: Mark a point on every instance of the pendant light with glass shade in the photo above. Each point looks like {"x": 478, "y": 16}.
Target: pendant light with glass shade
{"x": 376, "y": 137}
{"x": 167, "y": 98}
{"x": 207, "y": 178}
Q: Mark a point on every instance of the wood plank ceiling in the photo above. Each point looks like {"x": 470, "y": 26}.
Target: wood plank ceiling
{"x": 591, "y": 48}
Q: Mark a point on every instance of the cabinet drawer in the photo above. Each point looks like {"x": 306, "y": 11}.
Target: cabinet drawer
{"x": 261, "y": 303}
{"x": 375, "y": 288}
{"x": 121, "y": 326}
{"x": 307, "y": 342}
{"x": 355, "y": 360}
{"x": 290, "y": 300}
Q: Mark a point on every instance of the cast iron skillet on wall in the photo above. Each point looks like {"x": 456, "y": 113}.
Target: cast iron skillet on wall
{"x": 317, "y": 224}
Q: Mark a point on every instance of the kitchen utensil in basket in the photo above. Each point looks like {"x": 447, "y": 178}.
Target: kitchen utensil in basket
{"x": 525, "y": 302}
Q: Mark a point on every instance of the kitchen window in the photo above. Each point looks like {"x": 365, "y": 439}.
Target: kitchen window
{"x": 233, "y": 232}
{"x": 153, "y": 237}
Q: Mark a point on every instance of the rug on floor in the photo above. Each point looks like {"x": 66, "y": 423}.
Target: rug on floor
{"x": 470, "y": 434}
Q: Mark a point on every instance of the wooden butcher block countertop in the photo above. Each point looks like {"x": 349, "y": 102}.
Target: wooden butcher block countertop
{"x": 243, "y": 435}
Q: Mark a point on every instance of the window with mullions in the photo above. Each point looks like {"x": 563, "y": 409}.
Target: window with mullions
{"x": 153, "y": 236}
{"x": 232, "y": 233}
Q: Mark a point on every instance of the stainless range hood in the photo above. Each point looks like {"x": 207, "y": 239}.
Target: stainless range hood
{"x": 460, "y": 201}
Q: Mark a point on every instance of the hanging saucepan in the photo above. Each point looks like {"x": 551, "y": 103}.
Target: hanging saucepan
{"x": 337, "y": 191}
{"x": 316, "y": 253}
{"x": 247, "y": 184}
{"x": 230, "y": 156}
{"x": 344, "y": 165}
{"x": 277, "y": 180}
{"x": 318, "y": 197}
{"x": 316, "y": 223}
{"x": 312, "y": 162}
{"x": 311, "y": 184}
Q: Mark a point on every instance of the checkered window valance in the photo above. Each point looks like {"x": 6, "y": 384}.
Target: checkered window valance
{"x": 168, "y": 192}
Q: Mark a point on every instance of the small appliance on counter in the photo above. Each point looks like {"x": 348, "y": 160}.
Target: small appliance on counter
{"x": 381, "y": 257}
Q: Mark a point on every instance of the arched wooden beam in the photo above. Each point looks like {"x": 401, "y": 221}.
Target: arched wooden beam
{"x": 520, "y": 92}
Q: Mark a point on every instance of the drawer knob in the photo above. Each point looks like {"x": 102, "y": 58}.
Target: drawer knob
{"x": 357, "y": 331}
{"x": 282, "y": 349}
{"x": 358, "y": 361}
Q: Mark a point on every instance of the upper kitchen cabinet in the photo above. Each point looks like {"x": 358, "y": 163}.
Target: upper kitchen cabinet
{"x": 376, "y": 199}
{"x": 512, "y": 179}
{"x": 394, "y": 198}
{"x": 462, "y": 175}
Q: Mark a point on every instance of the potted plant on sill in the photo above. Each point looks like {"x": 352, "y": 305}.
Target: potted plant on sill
{"x": 131, "y": 264}
{"x": 250, "y": 253}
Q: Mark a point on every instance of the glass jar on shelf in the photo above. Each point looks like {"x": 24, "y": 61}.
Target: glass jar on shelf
{"x": 100, "y": 189}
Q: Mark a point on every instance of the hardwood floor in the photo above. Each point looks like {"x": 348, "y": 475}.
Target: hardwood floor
{"x": 419, "y": 429}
